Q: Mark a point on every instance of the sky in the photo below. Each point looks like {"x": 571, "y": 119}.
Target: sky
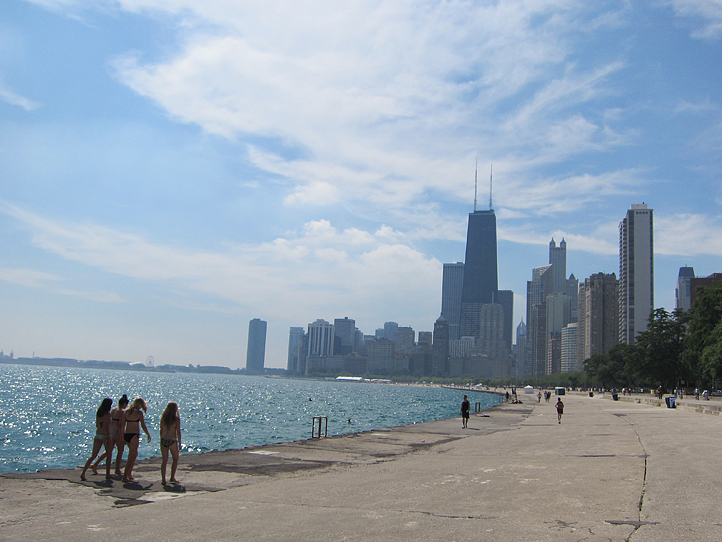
{"x": 171, "y": 169}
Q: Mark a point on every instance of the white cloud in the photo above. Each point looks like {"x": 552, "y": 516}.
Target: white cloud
{"x": 709, "y": 11}
{"x": 388, "y": 100}
{"x": 31, "y": 278}
{"x": 12, "y": 98}
{"x": 314, "y": 272}
{"x": 688, "y": 235}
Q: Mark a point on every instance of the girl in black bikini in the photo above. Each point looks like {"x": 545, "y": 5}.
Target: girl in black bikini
{"x": 170, "y": 439}
{"x": 102, "y": 437}
{"x": 116, "y": 436}
{"x": 133, "y": 420}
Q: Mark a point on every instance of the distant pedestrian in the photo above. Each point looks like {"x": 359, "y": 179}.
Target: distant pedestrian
{"x": 696, "y": 394}
{"x": 538, "y": 397}
{"x": 507, "y": 397}
{"x": 465, "y": 409}
{"x": 560, "y": 409}
{"x": 170, "y": 440}
{"x": 705, "y": 395}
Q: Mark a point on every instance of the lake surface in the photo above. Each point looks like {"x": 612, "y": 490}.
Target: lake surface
{"x": 47, "y": 414}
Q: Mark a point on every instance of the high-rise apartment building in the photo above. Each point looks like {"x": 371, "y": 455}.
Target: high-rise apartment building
{"x": 256, "y": 350}
{"x": 521, "y": 351}
{"x": 295, "y": 349}
{"x": 537, "y": 290}
{"x": 636, "y": 272}
{"x": 320, "y": 338}
{"x": 480, "y": 271}
{"x": 598, "y": 309}
{"x": 452, "y": 285}
{"x": 704, "y": 282}
{"x": 683, "y": 293}
{"x": 569, "y": 348}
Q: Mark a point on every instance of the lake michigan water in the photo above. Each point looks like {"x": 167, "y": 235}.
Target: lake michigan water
{"x": 47, "y": 414}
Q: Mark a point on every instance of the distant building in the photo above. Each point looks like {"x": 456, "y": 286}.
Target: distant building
{"x": 452, "y": 285}
{"x": 537, "y": 291}
{"x": 344, "y": 335}
{"x": 505, "y": 298}
{"x": 440, "y": 348}
{"x": 683, "y": 292}
{"x": 390, "y": 330}
{"x": 703, "y": 282}
{"x": 569, "y": 348}
{"x": 520, "y": 351}
{"x": 636, "y": 272}
{"x": 598, "y": 309}
{"x": 480, "y": 271}
{"x": 404, "y": 339}
{"x": 320, "y": 338}
{"x": 462, "y": 348}
{"x": 256, "y": 350}
{"x": 492, "y": 342}
{"x": 558, "y": 258}
{"x": 426, "y": 338}
{"x": 380, "y": 357}
{"x": 295, "y": 349}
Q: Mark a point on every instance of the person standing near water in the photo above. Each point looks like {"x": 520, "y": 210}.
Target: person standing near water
{"x": 170, "y": 439}
{"x": 102, "y": 437}
{"x": 560, "y": 409}
{"x": 465, "y": 408}
{"x": 133, "y": 420}
{"x": 116, "y": 436}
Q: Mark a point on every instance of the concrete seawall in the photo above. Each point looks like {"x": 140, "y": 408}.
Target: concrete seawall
{"x": 612, "y": 470}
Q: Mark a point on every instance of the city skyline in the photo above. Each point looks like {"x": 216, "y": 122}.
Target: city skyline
{"x": 171, "y": 170}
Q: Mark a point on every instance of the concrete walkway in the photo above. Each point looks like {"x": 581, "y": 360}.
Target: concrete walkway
{"x": 610, "y": 471}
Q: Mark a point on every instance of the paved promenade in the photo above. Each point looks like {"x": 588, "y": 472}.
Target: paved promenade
{"x": 610, "y": 471}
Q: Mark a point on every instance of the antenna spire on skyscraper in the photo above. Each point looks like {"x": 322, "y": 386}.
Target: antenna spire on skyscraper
{"x": 491, "y": 175}
{"x": 476, "y": 168}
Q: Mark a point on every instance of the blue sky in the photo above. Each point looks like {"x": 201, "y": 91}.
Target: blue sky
{"x": 170, "y": 169}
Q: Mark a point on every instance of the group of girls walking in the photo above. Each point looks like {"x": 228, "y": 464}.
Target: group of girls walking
{"x": 120, "y": 426}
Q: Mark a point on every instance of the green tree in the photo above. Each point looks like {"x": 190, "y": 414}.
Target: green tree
{"x": 704, "y": 339}
{"x": 661, "y": 347}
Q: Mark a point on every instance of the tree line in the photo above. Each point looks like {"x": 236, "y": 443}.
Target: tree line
{"x": 678, "y": 350}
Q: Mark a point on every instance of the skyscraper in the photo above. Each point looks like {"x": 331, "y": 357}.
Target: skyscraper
{"x": 452, "y": 285}
{"x": 256, "y": 351}
{"x": 440, "y": 348}
{"x": 558, "y": 258}
{"x": 480, "y": 271}
{"x": 320, "y": 338}
{"x": 598, "y": 311}
{"x": 636, "y": 272}
{"x": 683, "y": 293}
{"x": 345, "y": 335}
{"x": 295, "y": 348}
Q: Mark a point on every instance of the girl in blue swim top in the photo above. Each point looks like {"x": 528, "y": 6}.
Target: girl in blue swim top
{"x": 102, "y": 437}
{"x": 133, "y": 420}
{"x": 170, "y": 440}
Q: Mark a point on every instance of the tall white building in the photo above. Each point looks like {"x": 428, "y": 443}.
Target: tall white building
{"x": 636, "y": 272}
{"x": 320, "y": 338}
{"x": 569, "y": 348}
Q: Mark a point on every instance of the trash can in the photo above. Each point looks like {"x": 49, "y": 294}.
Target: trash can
{"x": 591, "y": 394}
{"x": 672, "y": 402}
{"x": 615, "y": 396}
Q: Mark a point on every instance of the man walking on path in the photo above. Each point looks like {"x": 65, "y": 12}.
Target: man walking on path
{"x": 560, "y": 409}
{"x": 465, "y": 408}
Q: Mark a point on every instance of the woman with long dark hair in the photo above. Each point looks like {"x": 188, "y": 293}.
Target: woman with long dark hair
{"x": 170, "y": 440}
{"x": 116, "y": 436}
{"x": 133, "y": 420}
{"x": 101, "y": 438}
